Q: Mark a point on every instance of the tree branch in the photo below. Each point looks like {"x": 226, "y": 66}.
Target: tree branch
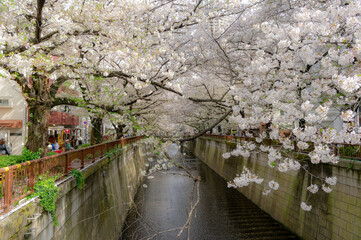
{"x": 39, "y": 20}
{"x": 209, "y": 128}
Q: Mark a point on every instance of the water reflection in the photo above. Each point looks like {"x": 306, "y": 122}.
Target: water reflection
{"x": 162, "y": 209}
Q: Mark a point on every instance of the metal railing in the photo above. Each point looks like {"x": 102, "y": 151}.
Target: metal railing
{"x": 342, "y": 150}
{"x": 17, "y": 181}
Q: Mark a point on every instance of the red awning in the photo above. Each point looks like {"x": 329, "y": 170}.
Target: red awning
{"x": 11, "y": 123}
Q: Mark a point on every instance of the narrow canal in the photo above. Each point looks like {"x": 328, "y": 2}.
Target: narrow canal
{"x": 223, "y": 213}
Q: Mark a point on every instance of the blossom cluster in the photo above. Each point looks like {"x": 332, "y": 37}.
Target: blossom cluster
{"x": 322, "y": 153}
{"x": 244, "y": 179}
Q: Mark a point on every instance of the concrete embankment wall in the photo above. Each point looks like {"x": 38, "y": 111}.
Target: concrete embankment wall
{"x": 95, "y": 212}
{"x": 336, "y": 215}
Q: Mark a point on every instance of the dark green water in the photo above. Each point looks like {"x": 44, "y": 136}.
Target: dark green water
{"x": 222, "y": 213}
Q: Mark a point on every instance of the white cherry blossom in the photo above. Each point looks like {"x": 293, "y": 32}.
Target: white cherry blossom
{"x": 313, "y": 188}
{"x": 306, "y": 207}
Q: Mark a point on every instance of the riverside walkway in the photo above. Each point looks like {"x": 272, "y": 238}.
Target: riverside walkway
{"x": 222, "y": 213}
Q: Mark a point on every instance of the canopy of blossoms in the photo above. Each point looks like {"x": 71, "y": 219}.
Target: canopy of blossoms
{"x": 242, "y": 64}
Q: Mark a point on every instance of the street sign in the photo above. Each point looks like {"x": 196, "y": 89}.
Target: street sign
{"x": 85, "y": 122}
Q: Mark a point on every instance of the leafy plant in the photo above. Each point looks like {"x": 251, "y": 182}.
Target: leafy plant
{"x": 84, "y": 145}
{"x": 110, "y": 152}
{"x": 113, "y": 151}
{"x": 350, "y": 165}
{"x": 51, "y": 153}
{"x": 349, "y": 152}
{"x": 79, "y": 176}
{"x": 47, "y": 191}
{"x": 29, "y": 155}
{"x": 6, "y": 161}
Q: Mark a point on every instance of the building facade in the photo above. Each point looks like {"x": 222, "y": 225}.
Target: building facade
{"x": 13, "y": 115}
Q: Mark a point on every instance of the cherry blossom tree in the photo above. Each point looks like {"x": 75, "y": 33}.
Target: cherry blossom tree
{"x": 294, "y": 61}
{"x": 43, "y": 44}
{"x": 167, "y": 64}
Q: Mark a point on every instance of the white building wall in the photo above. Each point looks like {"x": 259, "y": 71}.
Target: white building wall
{"x": 17, "y": 110}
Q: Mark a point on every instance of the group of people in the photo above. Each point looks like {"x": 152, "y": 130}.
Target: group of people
{"x": 73, "y": 143}
{"x": 54, "y": 146}
{"x": 4, "y": 149}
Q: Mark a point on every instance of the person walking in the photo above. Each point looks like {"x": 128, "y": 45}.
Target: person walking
{"x": 4, "y": 149}
{"x": 73, "y": 141}
{"x": 79, "y": 141}
{"x": 67, "y": 145}
{"x": 55, "y": 146}
{"x": 76, "y": 143}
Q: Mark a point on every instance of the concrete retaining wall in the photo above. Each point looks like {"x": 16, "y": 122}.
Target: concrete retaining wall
{"x": 96, "y": 212}
{"x": 334, "y": 216}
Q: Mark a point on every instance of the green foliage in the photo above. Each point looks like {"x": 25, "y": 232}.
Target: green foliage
{"x": 6, "y": 161}
{"x": 350, "y": 165}
{"x": 109, "y": 154}
{"x": 79, "y": 176}
{"x": 51, "y": 153}
{"x": 29, "y": 155}
{"x": 47, "y": 191}
{"x": 349, "y": 151}
{"x": 113, "y": 151}
{"x": 10, "y": 160}
{"x": 133, "y": 120}
{"x": 85, "y": 145}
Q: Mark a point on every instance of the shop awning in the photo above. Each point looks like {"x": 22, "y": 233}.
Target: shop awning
{"x": 11, "y": 123}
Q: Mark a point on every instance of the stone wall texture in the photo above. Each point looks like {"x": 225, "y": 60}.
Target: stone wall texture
{"x": 96, "y": 212}
{"x": 336, "y": 215}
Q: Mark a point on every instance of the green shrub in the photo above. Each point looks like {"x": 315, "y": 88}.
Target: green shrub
{"x": 9, "y": 160}
{"x": 29, "y": 155}
{"x": 6, "y": 161}
{"x": 79, "y": 176}
{"x": 47, "y": 191}
{"x": 85, "y": 145}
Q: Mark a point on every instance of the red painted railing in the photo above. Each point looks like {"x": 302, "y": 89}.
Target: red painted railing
{"x": 17, "y": 181}
{"x": 349, "y": 151}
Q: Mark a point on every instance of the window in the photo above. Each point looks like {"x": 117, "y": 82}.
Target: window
{"x": 4, "y": 102}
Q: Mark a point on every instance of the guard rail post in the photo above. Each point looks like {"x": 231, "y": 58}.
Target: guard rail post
{"x": 9, "y": 178}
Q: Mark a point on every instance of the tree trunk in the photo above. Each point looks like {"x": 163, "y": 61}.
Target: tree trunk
{"x": 37, "y": 96}
{"x": 119, "y": 130}
{"x": 38, "y": 128}
{"x": 96, "y": 133}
